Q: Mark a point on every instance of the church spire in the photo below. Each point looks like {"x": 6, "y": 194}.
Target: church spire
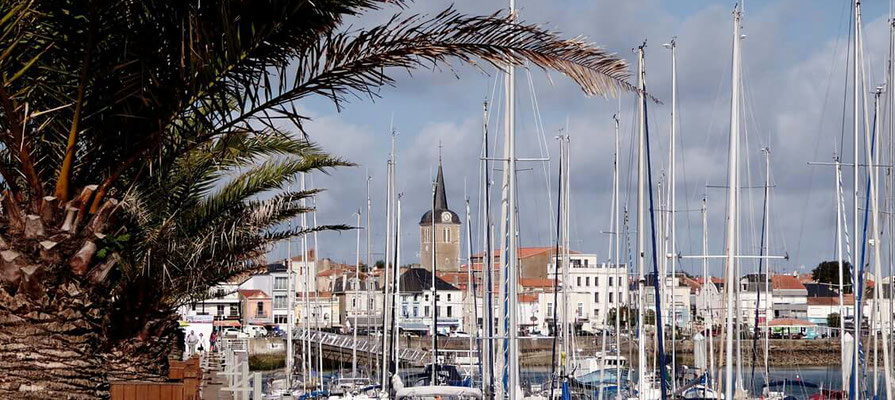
{"x": 440, "y": 194}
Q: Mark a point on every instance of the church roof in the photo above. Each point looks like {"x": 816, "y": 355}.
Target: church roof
{"x": 441, "y": 205}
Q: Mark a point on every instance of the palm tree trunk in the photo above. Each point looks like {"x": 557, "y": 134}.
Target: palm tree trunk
{"x": 48, "y": 345}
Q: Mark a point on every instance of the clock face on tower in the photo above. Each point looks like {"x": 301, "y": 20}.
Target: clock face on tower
{"x": 446, "y": 216}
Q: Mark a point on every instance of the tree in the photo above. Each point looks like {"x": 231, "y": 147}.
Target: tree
{"x": 828, "y": 272}
{"x": 833, "y": 320}
{"x": 146, "y": 147}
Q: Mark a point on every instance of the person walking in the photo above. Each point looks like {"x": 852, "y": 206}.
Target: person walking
{"x": 201, "y": 347}
{"x": 191, "y": 341}
{"x": 213, "y": 340}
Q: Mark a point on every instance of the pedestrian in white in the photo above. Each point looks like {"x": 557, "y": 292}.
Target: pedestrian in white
{"x": 191, "y": 341}
{"x": 201, "y": 343}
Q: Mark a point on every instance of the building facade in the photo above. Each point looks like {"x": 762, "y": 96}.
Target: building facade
{"x": 593, "y": 290}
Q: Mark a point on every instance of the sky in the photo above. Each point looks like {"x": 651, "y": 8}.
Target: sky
{"x": 794, "y": 60}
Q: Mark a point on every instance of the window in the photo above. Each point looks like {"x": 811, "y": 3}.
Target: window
{"x": 260, "y": 309}
{"x": 233, "y": 311}
{"x": 580, "y": 310}
{"x": 610, "y": 281}
{"x": 372, "y": 305}
{"x": 597, "y": 297}
{"x": 404, "y": 311}
{"x": 549, "y": 310}
{"x": 426, "y": 311}
{"x": 585, "y": 263}
{"x": 416, "y": 311}
{"x": 279, "y": 302}
{"x": 426, "y": 235}
{"x": 596, "y": 281}
{"x": 281, "y": 283}
{"x": 220, "y": 309}
{"x": 596, "y": 312}
{"x": 587, "y": 281}
{"x": 279, "y": 319}
{"x": 449, "y": 311}
{"x": 610, "y": 297}
{"x": 579, "y": 281}
{"x": 447, "y": 235}
{"x": 449, "y": 297}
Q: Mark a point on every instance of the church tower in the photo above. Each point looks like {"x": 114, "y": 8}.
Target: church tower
{"x": 446, "y": 233}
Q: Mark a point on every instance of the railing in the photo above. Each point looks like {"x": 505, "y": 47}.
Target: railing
{"x": 235, "y": 344}
{"x": 346, "y": 342}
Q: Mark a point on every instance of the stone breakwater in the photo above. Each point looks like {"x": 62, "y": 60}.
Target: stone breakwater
{"x": 535, "y": 352}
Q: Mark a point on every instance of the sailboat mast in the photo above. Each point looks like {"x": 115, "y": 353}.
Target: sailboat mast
{"x": 290, "y": 311}
{"x": 641, "y": 221}
{"x": 306, "y": 305}
{"x": 356, "y": 302}
{"x": 710, "y": 320}
{"x": 766, "y": 251}
{"x": 732, "y": 198}
{"x": 434, "y": 290}
{"x": 568, "y": 333}
{"x": 399, "y": 303}
{"x": 855, "y": 117}
{"x": 487, "y": 263}
{"x": 389, "y": 204}
{"x": 617, "y": 260}
{"x": 877, "y": 260}
{"x": 470, "y": 293}
{"x": 509, "y": 364}
{"x": 839, "y": 256}
{"x": 672, "y": 204}
{"x": 316, "y": 293}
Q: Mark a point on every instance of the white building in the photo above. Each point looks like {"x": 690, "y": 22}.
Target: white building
{"x": 360, "y": 301}
{"x": 594, "y": 289}
{"x": 415, "y": 305}
{"x": 675, "y": 301}
{"x": 222, "y": 303}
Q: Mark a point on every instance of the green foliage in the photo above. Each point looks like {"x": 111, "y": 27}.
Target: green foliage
{"x": 187, "y": 112}
{"x": 833, "y": 320}
{"x": 112, "y": 244}
{"x": 828, "y": 272}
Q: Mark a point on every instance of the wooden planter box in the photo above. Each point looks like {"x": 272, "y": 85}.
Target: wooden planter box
{"x": 183, "y": 384}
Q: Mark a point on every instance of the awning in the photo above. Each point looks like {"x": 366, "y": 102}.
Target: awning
{"x": 228, "y": 322}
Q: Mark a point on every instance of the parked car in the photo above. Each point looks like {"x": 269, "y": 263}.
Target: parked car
{"x": 256, "y": 331}
{"x": 459, "y": 334}
{"x": 233, "y": 333}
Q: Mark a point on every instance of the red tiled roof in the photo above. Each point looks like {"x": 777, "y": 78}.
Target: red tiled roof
{"x": 319, "y": 295}
{"x": 528, "y": 298}
{"x": 525, "y": 252}
{"x": 806, "y": 278}
{"x": 543, "y": 283}
{"x": 823, "y": 301}
{"x": 786, "y": 282}
{"x": 253, "y": 293}
{"x": 701, "y": 279}
{"x": 790, "y": 322}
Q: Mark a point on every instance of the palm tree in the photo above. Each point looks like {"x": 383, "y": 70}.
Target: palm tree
{"x": 141, "y": 142}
